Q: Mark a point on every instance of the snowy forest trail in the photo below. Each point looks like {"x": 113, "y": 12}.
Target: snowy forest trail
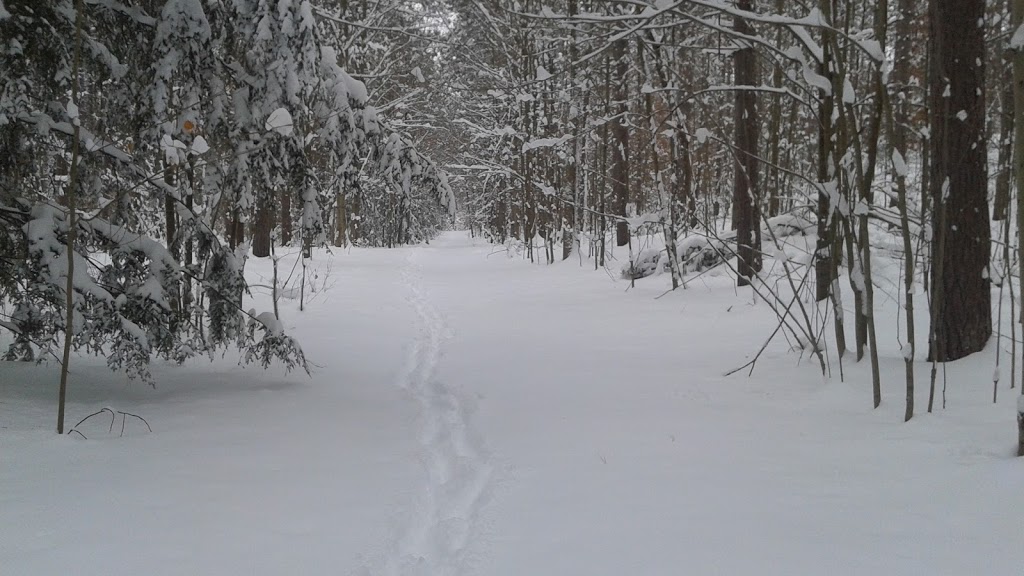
{"x": 443, "y": 523}
{"x": 472, "y": 414}
{"x": 618, "y": 447}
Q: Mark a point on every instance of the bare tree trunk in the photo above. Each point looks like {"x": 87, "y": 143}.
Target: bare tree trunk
{"x": 1020, "y": 427}
{"x": 340, "y": 217}
{"x": 274, "y": 291}
{"x": 69, "y": 286}
{"x": 908, "y": 282}
{"x": 171, "y": 227}
{"x": 1001, "y": 204}
{"x": 285, "y": 216}
{"x": 353, "y": 208}
{"x": 620, "y": 142}
{"x": 897, "y": 120}
{"x": 262, "y": 230}
{"x": 825, "y": 256}
{"x": 1003, "y": 69}
{"x": 236, "y": 229}
{"x": 186, "y": 292}
{"x": 570, "y": 222}
{"x": 774, "y": 183}
{"x": 866, "y": 175}
{"x": 962, "y": 297}
{"x": 601, "y": 201}
{"x": 1017, "y": 20}
{"x": 746, "y": 217}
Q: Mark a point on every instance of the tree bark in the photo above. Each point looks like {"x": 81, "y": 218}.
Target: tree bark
{"x": 285, "y": 216}
{"x": 1017, "y": 20}
{"x": 261, "y": 231}
{"x": 1001, "y": 204}
{"x": 353, "y": 206}
{"x": 826, "y": 255}
{"x": 961, "y": 297}
{"x": 69, "y": 286}
{"x": 1020, "y": 431}
{"x": 340, "y": 224}
{"x": 898, "y": 119}
{"x": 620, "y": 142}
{"x": 746, "y": 217}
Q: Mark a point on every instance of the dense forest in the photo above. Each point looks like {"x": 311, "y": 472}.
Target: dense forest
{"x": 149, "y": 147}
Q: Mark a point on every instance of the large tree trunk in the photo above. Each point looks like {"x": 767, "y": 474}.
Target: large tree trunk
{"x": 1017, "y": 20}
{"x": 171, "y": 229}
{"x": 826, "y": 256}
{"x": 340, "y": 220}
{"x": 961, "y": 297}
{"x": 237, "y": 231}
{"x": 745, "y": 205}
{"x": 353, "y": 206}
{"x": 620, "y": 142}
{"x": 1001, "y": 203}
{"x": 285, "y": 216}
{"x": 261, "y": 231}
{"x": 570, "y": 219}
{"x": 773, "y": 183}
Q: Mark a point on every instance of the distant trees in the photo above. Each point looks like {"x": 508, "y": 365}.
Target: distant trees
{"x": 392, "y": 45}
{"x": 584, "y": 123}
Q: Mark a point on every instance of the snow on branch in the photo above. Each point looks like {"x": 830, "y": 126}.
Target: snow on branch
{"x": 546, "y": 142}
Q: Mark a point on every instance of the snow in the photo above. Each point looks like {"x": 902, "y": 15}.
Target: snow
{"x": 849, "y": 94}
{"x": 136, "y": 332}
{"x": 872, "y": 48}
{"x": 280, "y": 121}
{"x": 899, "y": 164}
{"x": 44, "y": 124}
{"x": 271, "y": 323}
{"x": 1020, "y": 404}
{"x": 545, "y": 142}
{"x": 1017, "y": 40}
{"x": 817, "y": 80}
{"x": 173, "y": 149}
{"x": 152, "y": 290}
{"x": 470, "y": 413}
{"x": 200, "y": 146}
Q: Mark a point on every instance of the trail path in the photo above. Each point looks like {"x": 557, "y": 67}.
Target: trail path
{"x": 443, "y": 521}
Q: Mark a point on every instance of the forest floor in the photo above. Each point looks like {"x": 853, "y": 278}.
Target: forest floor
{"x": 469, "y": 413}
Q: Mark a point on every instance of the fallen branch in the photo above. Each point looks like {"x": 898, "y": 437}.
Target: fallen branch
{"x": 113, "y": 418}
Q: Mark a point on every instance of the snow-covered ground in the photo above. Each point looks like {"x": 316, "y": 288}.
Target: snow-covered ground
{"x": 471, "y": 414}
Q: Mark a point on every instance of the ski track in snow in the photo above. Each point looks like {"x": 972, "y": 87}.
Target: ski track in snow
{"x": 435, "y": 539}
